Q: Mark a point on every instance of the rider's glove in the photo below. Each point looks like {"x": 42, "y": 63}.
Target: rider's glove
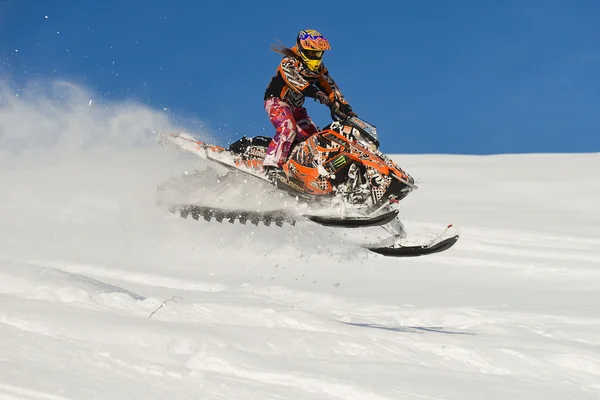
{"x": 346, "y": 109}
{"x": 323, "y": 98}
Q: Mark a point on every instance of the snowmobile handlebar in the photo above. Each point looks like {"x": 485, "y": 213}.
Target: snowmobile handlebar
{"x": 336, "y": 114}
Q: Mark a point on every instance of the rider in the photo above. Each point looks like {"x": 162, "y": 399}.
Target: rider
{"x": 300, "y": 74}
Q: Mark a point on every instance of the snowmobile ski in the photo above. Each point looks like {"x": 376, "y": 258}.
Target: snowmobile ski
{"x": 354, "y": 222}
{"x": 436, "y": 246}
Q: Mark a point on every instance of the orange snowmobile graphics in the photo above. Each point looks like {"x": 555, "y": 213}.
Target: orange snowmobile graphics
{"x": 343, "y": 161}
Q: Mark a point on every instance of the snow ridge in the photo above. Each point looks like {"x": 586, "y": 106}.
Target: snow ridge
{"x": 87, "y": 261}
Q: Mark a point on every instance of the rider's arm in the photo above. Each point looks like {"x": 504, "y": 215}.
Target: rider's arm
{"x": 328, "y": 85}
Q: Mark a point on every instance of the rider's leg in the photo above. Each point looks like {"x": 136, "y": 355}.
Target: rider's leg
{"x": 306, "y": 127}
{"x": 286, "y": 129}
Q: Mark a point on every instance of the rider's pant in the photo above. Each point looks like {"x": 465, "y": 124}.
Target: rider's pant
{"x": 292, "y": 125}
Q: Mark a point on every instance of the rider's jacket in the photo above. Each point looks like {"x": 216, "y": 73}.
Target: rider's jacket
{"x": 294, "y": 81}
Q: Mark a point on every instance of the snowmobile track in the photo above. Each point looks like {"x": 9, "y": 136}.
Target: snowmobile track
{"x": 279, "y": 217}
{"x": 255, "y": 217}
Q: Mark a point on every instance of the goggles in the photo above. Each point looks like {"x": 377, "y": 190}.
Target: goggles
{"x": 313, "y": 54}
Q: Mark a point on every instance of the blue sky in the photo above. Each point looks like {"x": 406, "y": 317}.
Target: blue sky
{"x": 468, "y": 76}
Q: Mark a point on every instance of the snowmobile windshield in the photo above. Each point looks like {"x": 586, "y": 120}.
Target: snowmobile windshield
{"x": 368, "y": 133}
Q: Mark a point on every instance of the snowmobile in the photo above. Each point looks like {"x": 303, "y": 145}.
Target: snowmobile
{"x": 339, "y": 172}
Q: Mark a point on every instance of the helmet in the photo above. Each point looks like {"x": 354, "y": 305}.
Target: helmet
{"x": 311, "y": 45}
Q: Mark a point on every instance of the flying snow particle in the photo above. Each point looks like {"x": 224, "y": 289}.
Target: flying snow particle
{"x": 90, "y": 103}
{"x": 45, "y": 16}
{"x": 165, "y": 109}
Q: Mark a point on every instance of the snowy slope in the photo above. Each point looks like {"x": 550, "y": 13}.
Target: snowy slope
{"x": 86, "y": 257}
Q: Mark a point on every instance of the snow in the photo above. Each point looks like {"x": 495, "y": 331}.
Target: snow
{"x": 103, "y": 295}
